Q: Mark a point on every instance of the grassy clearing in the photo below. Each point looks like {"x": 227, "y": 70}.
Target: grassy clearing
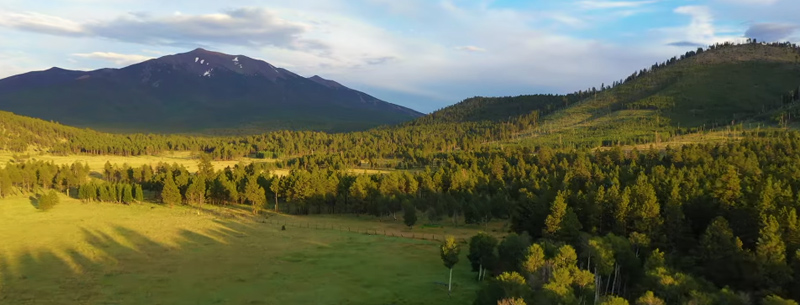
{"x": 391, "y": 227}
{"x": 146, "y": 254}
{"x": 187, "y": 159}
{"x": 96, "y": 163}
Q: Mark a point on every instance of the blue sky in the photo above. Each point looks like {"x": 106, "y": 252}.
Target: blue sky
{"x": 424, "y": 54}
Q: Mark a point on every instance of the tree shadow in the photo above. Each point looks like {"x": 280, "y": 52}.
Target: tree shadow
{"x": 95, "y": 174}
{"x": 111, "y": 266}
{"x": 34, "y": 201}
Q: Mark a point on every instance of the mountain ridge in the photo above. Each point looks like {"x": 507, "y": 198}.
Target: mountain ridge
{"x": 195, "y": 91}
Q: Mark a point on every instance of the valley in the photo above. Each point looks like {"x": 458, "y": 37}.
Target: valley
{"x": 676, "y": 185}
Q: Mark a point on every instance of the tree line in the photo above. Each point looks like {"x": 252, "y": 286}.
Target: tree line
{"x": 617, "y": 209}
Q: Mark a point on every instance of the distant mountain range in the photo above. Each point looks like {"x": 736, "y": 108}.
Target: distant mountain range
{"x": 196, "y": 92}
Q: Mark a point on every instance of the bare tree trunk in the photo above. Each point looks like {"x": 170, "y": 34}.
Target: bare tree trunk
{"x": 596, "y": 284}
{"x": 609, "y": 280}
{"x": 480, "y": 269}
{"x": 450, "y": 282}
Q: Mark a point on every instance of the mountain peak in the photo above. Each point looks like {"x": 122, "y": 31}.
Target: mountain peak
{"x": 201, "y": 51}
{"x": 326, "y": 82}
{"x": 195, "y": 90}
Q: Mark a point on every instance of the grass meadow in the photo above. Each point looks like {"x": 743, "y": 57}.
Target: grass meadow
{"x": 97, "y": 253}
{"x": 96, "y": 163}
{"x": 185, "y": 158}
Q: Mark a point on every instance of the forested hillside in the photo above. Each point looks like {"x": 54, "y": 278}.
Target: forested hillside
{"x": 722, "y": 85}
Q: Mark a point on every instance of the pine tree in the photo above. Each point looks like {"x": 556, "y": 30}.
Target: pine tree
{"x": 48, "y": 200}
{"x": 108, "y": 171}
{"x": 274, "y": 187}
{"x": 170, "y": 194}
{"x": 254, "y": 193}
{"x": 720, "y": 254}
{"x": 621, "y": 210}
{"x": 558, "y": 211}
{"x": 204, "y": 168}
{"x": 102, "y": 194}
{"x": 138, "y": 193}
{"x": 644, "y": 207}
{"x": 119, "y": 190}
{"x": 196, "y": 192}
{"x": 127, "y": 194}
{"x": 5, "y": 183}
{"x": 728, "y": 188}
{"x": 771, "y": 253}
{"x": 92, "y": 192}
{"x": 410, "y": 214}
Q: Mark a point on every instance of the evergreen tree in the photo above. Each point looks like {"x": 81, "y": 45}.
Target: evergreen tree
{"x": 127, "y": 194}
{"x": 728, "y": 188}
{"x": 138, "y": 193}
{"x": 254, "y": 194}
{"x": 103, "y": 194}
{"x": 48, "y": 200}
{"x": 553, "y": 222}
{"x": 644, "y": 207}
{"x": 721, "y": 255}
{"x": 170, "y": 194}
{"x": 5, "y": 183}
{"x": 196, "y": 192}
{"x": 512, "y": 251}
{"x": 410, "y": 215}
{"x": 771, "y": 254}
{"x": 274, "y": 187}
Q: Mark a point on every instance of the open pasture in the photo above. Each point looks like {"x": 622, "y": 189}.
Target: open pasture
{"x": 92, "y": 253}
{"x": 96, "y": 163}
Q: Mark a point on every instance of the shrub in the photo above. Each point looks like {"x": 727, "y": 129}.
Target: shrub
{"x": 48, "y": 200}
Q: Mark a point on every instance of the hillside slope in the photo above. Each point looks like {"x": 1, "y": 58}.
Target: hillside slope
{"x": 721, "y": 85}
{"x": 196, "y": 91}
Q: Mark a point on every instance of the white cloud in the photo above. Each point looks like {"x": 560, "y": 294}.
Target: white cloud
{"x": 701, "y": 28}
{"x": 36, "y": 22}
{"x": 750, "y": 2}
{"x": 251, "y": 26}
{"x": 116, "y": 58}
{"x": 470, "y": 49}
{"x": 596, "y": 4}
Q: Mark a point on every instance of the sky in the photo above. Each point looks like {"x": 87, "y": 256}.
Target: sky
{"x": 423, "y": 54}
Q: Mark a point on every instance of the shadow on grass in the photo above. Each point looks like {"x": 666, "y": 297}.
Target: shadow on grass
{"x": 34, "y": 201}
{"x": 96, "y": 174}
{"x": 110, "y": 267}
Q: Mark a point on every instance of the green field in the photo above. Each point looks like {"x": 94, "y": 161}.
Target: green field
{"x": 96, "y": 162}
{"x": 92, "y": 253}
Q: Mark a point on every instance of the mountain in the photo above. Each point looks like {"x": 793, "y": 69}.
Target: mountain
{"x": 198, "y": 91}
{"x": 751, "y": 83}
